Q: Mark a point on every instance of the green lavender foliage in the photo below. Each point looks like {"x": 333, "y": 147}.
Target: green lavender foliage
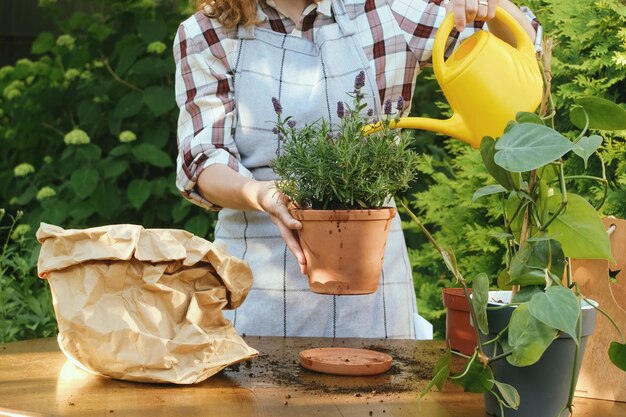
{"x": 328, "y": 167}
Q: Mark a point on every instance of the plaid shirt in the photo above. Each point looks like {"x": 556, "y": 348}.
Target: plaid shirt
{"x": 205, "y": 54}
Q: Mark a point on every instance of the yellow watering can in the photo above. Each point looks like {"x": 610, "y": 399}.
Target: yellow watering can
{"x": 486, "y": 82}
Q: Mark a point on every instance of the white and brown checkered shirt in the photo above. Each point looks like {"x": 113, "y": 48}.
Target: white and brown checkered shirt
{"x": 205, "y": 54}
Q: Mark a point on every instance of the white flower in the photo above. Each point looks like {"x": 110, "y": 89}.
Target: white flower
{"x": 20, "y": 230}
{"x": 45, "y": 192}
{"x": 66, "y": 41}
{"x": 157, "y": 48}
{"x": 76, "y": 137}
{"x": 127, "y": 136}
{"x": 23, "y": 169}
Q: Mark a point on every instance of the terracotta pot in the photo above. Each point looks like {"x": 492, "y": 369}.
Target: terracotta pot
{"x": 460, "y": 335}
{"x": 344, "y": 249}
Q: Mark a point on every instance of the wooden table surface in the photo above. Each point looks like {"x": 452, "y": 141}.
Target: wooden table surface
{"x": 37, "y": 380}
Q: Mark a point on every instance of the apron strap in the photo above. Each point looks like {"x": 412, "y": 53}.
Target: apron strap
{"x": 341, "y": 17}
{"x": 245, "y": 32}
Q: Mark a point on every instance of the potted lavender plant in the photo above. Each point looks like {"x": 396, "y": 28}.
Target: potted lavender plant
{"x": 341, "y": 182}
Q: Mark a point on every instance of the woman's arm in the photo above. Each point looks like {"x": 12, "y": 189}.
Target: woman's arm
{"x": 224, "y": 187}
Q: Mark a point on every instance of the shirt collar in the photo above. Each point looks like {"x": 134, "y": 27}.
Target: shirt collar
{"x": 323, "y": 7}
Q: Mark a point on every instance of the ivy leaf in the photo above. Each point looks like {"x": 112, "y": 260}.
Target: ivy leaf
{"x": 557, "y": 308}
{"x": 534, "y": 259}
{"x": 603, "y": 114}
{"x": 528, "y": 146}
{"x": 43, "y": 43}
{"x": 586, "y": 147}
{"x": 84, "y": 181}
{"x": 138, "y": 192}
{"x": 509, "y": 394}
{"x": 440, "y": 374}
{"x": 617, "y": 354}
{"x": 479, "y": 299}
{"x": 508, "y": 180}
{"x": 477, "y": 379}
{"x": 579, "y": 229}
{"x": 528, "y": 337}
{"x": 527, "y": 117}
{"x": 145, "y": 152}
{"x": 159, "y": 100}
{"x": 488, "y": 190}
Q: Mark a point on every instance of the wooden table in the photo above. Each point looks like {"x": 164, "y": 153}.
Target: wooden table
{"x": 36, "y": 380}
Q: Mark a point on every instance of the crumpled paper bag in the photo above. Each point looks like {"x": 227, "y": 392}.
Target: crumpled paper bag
{"x": 144, "y": 304}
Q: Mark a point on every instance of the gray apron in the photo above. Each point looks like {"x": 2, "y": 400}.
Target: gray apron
{"x": 308, "y": 78}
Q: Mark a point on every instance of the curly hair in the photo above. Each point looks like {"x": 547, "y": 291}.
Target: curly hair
{"x": 230, "y": 13}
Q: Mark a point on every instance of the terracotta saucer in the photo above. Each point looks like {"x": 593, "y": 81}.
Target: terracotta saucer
{"x": 345, "y": 361}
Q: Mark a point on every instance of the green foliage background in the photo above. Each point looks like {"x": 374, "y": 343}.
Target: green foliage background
{"x": 111, "y": 70}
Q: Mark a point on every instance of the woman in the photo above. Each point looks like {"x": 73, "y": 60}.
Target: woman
{"x": 232, "y": 57}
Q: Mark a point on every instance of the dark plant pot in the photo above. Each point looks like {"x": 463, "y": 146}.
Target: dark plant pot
{"x": 344, "y": 249}
{"x": 460, "y": 335}
{"x": 544, "y": 386}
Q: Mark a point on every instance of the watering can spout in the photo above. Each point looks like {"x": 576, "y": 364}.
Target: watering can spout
{"x": 454, "y": 126}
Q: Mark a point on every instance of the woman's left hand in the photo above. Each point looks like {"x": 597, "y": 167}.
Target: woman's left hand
{"x": 466, "y": 11}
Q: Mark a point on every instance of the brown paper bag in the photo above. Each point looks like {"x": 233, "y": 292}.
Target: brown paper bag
{"x": 144, "y": 304}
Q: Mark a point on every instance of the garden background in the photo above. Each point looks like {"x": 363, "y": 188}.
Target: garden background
{"x": 88, "y": 125}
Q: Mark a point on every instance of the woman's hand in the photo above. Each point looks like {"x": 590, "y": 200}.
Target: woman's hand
{"x": 274, "y": 203}
{"x": 466, "y": 11}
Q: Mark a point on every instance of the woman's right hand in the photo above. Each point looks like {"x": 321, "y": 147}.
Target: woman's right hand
{"x": 274, "y": 203}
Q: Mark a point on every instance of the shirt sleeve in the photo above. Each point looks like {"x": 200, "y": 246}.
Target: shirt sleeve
{"x": 207, "y": 116}
{"x": 419, "y": 20}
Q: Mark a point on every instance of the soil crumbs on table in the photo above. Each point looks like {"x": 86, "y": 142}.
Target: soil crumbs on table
{"x": 411, "y": 370}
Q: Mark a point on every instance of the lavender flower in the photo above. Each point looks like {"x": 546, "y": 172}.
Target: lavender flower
{"x": 387, "y": 108}
{"x": 400, "y": 104}
{"x": 374, "y": 120}
{"x": 291, "y": 123}
{"x": 341, "y": 111}
{"x": 359, "y": 81}
{"x": 275, "y": 130}
{"x": 330, "y": 136}
{"x": 277, "y": 106}
{"x": 370, "y": 112}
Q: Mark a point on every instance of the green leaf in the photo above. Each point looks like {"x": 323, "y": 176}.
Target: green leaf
{"x": 526, "y": 117}
{"x": 440, "y": 374}
{"x": 579, "y": 229}
{"x": 508, "y": 180}
{"x": 504, "y": 280}
{"x": 84, "y": 181}
{"x": 88, "y": 152}
{"x": 528, "y": 337}
{"x": 479, "y": 299}
{"x": 525, "y": 293}
{"x": 477, "y": 379}
{"x": 509, "y": 394}
{"x": 617, "y": 354}
{"x": 488, "y": 190}
{"x": 81, "y": 210}
{"x": 159, "y": 100}
{"x": 152, "y": 30}
{"x": 145, "y": 152}
{"x": 120, "y": 150}
{"x": 587, "y": 146}
{"x": 107, "y": 200}
{"x": 157, "y": 134}
{"x": 198, "y": 225}
{"x": 129, "y": 105}
{"x": 528, "y": 146}
{"x": 128, "y": 57}
{"x": 558, "y": 308}
{"x": 43, "y": 43}
{"x": 603, "y": 114}
{"x": 114, "y": 168}
{"x": 100, "y": 31}
{"x": 88, "y": 112}
{"x": 138, "y": 192}
{"x": 450, "y": 260}
{"x": 534, "y": 260}
{"x": 180, "y": 210}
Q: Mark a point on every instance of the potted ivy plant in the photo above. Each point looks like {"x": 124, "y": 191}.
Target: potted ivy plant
{"x": 532, "y": 336}
{"x": 341, "y": 181}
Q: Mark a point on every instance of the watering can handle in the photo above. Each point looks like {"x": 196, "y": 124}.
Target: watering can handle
{"x": 524, "y": 44}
